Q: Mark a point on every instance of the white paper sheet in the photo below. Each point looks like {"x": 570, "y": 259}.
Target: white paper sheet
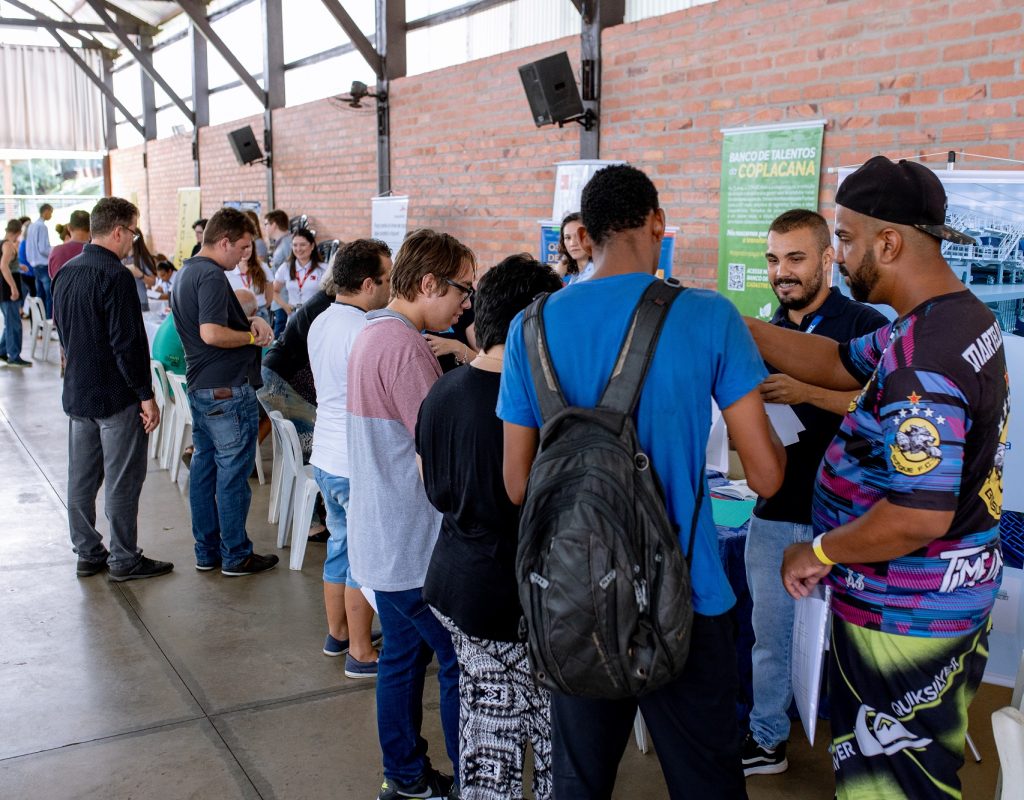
{"x": 810, "y": 637}
{"x": 785, "y": 421}
{"x": 717, "y": 453}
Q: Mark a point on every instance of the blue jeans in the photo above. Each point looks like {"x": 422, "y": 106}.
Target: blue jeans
{"x": 11, "y": 344}
{"x": 280, "y": 321}
{"x": 335, "y": 489}
{"x": 772, "y": 619}
{"x": 43, "y": 288}
{"x": 413, "y": 636}
{"x": 224, "y": 435}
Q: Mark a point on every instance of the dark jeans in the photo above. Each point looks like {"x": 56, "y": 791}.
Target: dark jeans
{"x": 413, "y": 635}
{"x": 111, "y": 451}
{"x": 280, "y": 321}
{"x": 224, "y": 436}
{"x": 10, "y": 346}
{"x": 42, "y": 275}
{"x": 692, "y": 722}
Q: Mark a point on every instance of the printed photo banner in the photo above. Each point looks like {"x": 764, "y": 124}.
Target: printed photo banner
{"x": 766, "y": 169}
{"x": 189, "y": 209}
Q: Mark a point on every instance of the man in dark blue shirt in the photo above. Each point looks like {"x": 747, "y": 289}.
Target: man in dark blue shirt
{"x": 108, "y": 395}
{"x": 799, "y": 255}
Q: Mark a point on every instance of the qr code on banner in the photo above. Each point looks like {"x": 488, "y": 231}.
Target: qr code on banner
{"x": 737, "y": 277}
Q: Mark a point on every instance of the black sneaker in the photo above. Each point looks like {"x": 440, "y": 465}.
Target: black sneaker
{"x": 759, "y": 760}
{"x": 86, "y": 569}
{"x": 433, "y": 785}
{"x": 145, "y": 568}
{"x": 207, "y": 567}
{"x": 252, "y": 564}
{"x": 3, "y": 358}
{"x": 18, "y": 362}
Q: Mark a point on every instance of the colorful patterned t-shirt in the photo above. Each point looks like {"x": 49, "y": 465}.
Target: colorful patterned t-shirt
{"x": 927, "y": 432}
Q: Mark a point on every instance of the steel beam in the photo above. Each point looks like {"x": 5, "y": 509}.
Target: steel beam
{"x": 454, "y": 13}
{"x": 197, "y": 14}
{"x": 143, "y": 58}
{"x": 597, "y": 15}
{"x": 200, "y": 78}
{"x": 391, "y": 27}
{"x": 356, "y": 36}
{"x": 148, "y": 93}
{"x": 106, "y": 91}
{"x": 109, "y": 121}
{"x": 273, "y": 52}
{"x": 49, "y": 24}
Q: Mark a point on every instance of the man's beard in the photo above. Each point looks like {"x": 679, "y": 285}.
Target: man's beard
{"x": 811, "y": 290}
{"x": 864, "y": 282}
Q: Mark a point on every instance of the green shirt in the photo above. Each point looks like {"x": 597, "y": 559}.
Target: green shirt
{"x": 167, "y": 347}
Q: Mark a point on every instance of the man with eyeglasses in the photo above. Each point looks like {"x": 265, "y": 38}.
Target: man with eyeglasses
{"x": 108, "y": 395}
{"x": 392, "y": 527}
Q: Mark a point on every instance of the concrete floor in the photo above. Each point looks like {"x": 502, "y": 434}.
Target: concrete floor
{"x": 198, "y": 686}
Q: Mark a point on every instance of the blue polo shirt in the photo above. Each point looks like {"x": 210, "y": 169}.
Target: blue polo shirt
{"x": 704, "y": 352}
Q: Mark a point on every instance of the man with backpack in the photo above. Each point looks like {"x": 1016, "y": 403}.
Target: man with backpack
{"x": 663, "y": 355}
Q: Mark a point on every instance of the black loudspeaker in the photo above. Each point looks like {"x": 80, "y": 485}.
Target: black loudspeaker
{"x": 243, "y": 142}
{"x": 551, "y": 89}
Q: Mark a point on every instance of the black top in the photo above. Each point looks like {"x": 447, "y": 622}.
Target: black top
{"x": 841, "y": 319}
{"x": 99, "y": 321}
{"x": 290, "y": 353}
{"x": 5, "y": 289}
{"x": 202, "y": 294}
{"x": 471, "y": 577}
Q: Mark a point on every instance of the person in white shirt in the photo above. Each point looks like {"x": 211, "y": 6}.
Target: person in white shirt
{"x": 361, "y": 272}
{"x": 254, "y": 275}
{"x": 298, "y": 280}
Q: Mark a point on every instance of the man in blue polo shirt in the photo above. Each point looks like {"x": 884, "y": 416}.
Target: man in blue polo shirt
{"x": 703, "y": 353}
{"x": 799, "y": 255}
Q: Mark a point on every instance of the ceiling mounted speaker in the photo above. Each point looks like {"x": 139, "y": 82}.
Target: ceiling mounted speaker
{"x": 243, "y": 143}
{"x": 551, "y": 89}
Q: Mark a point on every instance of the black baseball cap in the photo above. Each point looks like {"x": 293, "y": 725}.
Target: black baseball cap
{"x": 904, "y": 192}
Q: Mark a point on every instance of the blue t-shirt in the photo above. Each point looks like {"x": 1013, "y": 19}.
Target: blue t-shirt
{"x": 704, "y": 352}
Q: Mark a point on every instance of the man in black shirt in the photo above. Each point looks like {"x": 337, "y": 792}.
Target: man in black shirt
{"x": 799, "y": 256}
{"x": 108, "y": 395}
{"x": 222, "y": 368}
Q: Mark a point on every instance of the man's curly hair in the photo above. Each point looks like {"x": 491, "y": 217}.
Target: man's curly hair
{"x": 618, "y": 198}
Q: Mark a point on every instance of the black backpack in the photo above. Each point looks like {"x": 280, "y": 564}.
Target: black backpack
{"x": 604, "y": 586}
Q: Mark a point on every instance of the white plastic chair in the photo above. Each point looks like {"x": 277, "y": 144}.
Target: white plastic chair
{"x": 304, "y": 492}
{"x": 181, "y": 423}
{"x": 276, "y": 495}
{"x": 40, "y": 327}
{"x": 284, "y": 476}
{"x": 158, "y": 436}
{"x": 1008, "y": 728}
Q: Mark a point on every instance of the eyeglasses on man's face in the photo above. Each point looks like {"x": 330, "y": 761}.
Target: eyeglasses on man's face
{"x": 468, "y": 291}
{"x": 136, "y": 234}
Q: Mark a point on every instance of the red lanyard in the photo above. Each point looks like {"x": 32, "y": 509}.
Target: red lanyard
{"x": 302, "y": 280}
{"x": 246, "y": 279}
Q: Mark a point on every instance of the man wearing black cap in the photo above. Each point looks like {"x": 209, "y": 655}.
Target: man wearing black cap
{"x": 909, "y": 494}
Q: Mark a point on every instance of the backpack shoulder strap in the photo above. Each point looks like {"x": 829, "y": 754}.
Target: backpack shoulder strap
{"x": 627, "y": 379}
{"x": 545, "y": 380}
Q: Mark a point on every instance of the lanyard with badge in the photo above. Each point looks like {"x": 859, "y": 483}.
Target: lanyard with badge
{"x": 301, "y": 280}
{"x": 814, "y": 324}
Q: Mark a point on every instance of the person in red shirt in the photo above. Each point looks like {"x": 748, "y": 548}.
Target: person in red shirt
{"x": 78, "y": 225}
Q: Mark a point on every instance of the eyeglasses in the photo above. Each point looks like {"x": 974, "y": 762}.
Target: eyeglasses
{"x": 469, "y": 291}
{"x": 136, "y": 235}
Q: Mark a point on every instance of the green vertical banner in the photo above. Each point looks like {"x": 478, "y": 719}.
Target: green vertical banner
{"x": 766, "y": 170}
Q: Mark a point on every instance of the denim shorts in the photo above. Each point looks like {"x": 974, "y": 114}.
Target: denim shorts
{"x": 337, "y": 567}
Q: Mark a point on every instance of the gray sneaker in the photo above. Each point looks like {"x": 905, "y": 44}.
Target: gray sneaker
{"x": 145, "y": 568}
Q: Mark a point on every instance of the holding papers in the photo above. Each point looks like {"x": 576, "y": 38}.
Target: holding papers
{"x": 810, "y": 638}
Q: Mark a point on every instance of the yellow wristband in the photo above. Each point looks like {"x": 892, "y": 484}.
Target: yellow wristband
{"x": 816, "y": 546}
{"x": 252, "y": 338}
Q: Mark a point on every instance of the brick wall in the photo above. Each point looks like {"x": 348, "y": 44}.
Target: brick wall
{"x": 170, "y": 167}
{"x": 903, "y": 77}
{"x": 466, "y": 151}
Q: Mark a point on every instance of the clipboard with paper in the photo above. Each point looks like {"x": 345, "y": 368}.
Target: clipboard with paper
{"x": 811, "y": 621}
